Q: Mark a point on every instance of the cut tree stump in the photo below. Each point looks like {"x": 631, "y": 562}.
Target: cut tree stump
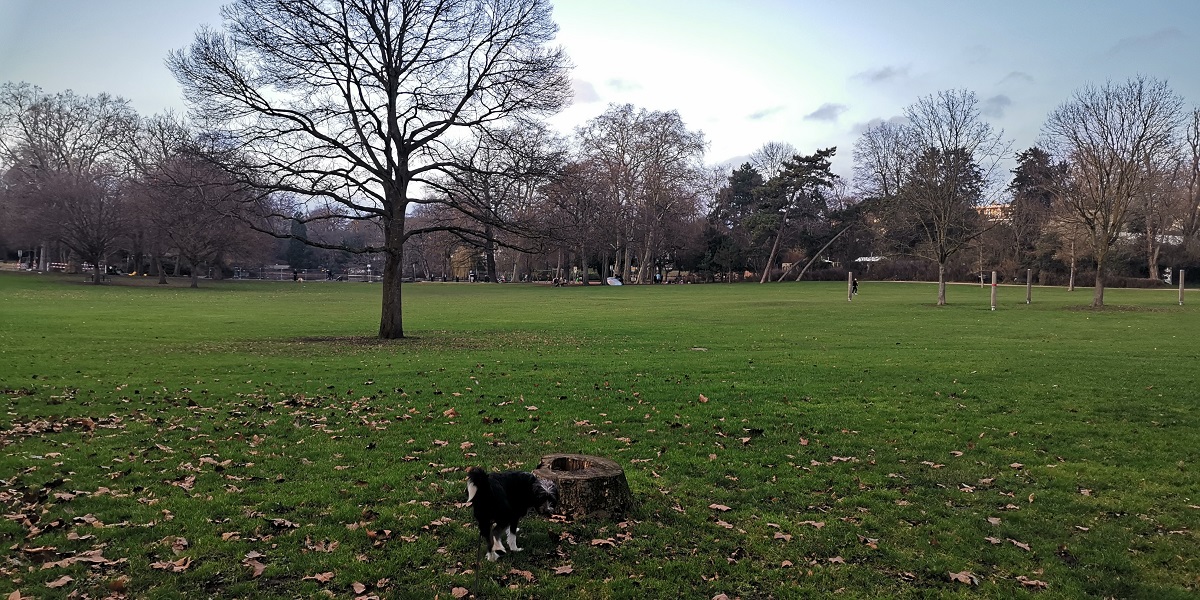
{"x": 588, "y": 486}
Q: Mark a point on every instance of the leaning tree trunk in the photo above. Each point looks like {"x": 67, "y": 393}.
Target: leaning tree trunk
{"x": 766, "y": 275}
{"x": 588, "y": 486}
{"x": 815, "y": 256}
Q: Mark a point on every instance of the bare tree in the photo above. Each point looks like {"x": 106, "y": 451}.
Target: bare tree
{"x": 882, "y": 154}
{"x": 652, "y": 166}
{"x": 1108, "y": 135}
{"x": 930, "y": 174}
{"x": 68, "y": 169}
{"x": 769, "y": 160}
{"x": 356, "y": 103}
{"x": 1158, "y": 207}
{"x": 493, "y": 190}
{"x": 578, "y": 199}
{"x": 1191, "y": 180}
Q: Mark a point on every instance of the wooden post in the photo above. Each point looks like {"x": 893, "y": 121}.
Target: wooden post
{"x": 1028, "y": 286}
{"x": 1181, "y": 287}
{"x": 993, "y": 290}
{"x": 849, "y": 286}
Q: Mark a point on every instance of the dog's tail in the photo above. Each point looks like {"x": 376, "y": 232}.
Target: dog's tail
{"x": 478, "y": 487}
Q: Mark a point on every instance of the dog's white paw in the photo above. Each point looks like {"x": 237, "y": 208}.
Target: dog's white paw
{"x": 512, "y": 541}
{"x": 492, "y": 556}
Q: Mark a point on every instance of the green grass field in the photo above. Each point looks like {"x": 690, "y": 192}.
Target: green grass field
{"x": 252, "y": 440}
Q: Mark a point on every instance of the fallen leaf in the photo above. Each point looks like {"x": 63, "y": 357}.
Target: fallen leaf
{"x": 966, "y": 577}
{"x": 600, "y": 542}
{"x": 785, "y": 564}
{"x": 837, "y": 560}
{"x": 703, "y": 398}
{"x": 724, "y": 524}
{"x": 258, "y": 567}
{"x": 720, "y": 507}
{"x": 1032, "y": 583}
{"x": 995, "y": 541}
{"x": 528, "y": 575}
{"x": 61, "y": 581}
{"x": 360, "y": 588}
{"x": 320, "y": 578}
{"x": 1020, "y": 545}
{"x": 994, "y": 520}
{"x": 457, "y": 592}
{"x": 1016, "y": 465}
{"x": 779, "y": 535}
{"x": 817, "y": 524}
{"x": 563, "y": 570}
{"x": 175, "y": 566}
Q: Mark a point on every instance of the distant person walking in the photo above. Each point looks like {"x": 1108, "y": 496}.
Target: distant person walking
{"x": 854, "y": 287}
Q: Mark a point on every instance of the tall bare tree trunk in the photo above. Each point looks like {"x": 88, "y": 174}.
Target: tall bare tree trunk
{"x": 627, "y": 265}
{"x": 1152, "y": 251}
{"x": 391, "y": 321}
{"x": 1098, "y": 294}
{"x": 583, "y": 264}
{"x": 1071, "y": 283}
{"x": 489, "y": 254}
{"x": 158, "y": 266}
{"x": 941, "y": 301}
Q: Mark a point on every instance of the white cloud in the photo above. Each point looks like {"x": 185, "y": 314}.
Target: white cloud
{"x": 996, "y": 105}
{"x": 759, "y": 115}
{"x": 828, "y": 112}
{"x": 882, "y": 75}
{"x": 1150, "y": 40}
{"x": 584, "y": 91}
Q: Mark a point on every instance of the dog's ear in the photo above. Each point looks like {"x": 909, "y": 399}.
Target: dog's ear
{"x": 548, "y": 486}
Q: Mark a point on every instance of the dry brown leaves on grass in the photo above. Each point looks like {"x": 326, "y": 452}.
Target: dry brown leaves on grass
{"x": 966, "y": 577}
{"x": 1032, "y": 584}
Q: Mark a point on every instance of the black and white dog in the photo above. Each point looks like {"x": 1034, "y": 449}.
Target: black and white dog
{"x": 501, "y": 499}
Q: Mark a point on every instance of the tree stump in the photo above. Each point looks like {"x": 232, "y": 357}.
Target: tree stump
{"x": 588, "y": 486}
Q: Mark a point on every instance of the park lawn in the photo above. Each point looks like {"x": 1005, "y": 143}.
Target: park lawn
{"x": 252, "y": 440}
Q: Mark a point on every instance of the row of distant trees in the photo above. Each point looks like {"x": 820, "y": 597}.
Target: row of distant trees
{"x": 1114, "y": 178}
{"x": 415, "y": 132}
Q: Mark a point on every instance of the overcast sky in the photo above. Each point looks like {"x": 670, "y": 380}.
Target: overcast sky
{"x": 745, "y": 72}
